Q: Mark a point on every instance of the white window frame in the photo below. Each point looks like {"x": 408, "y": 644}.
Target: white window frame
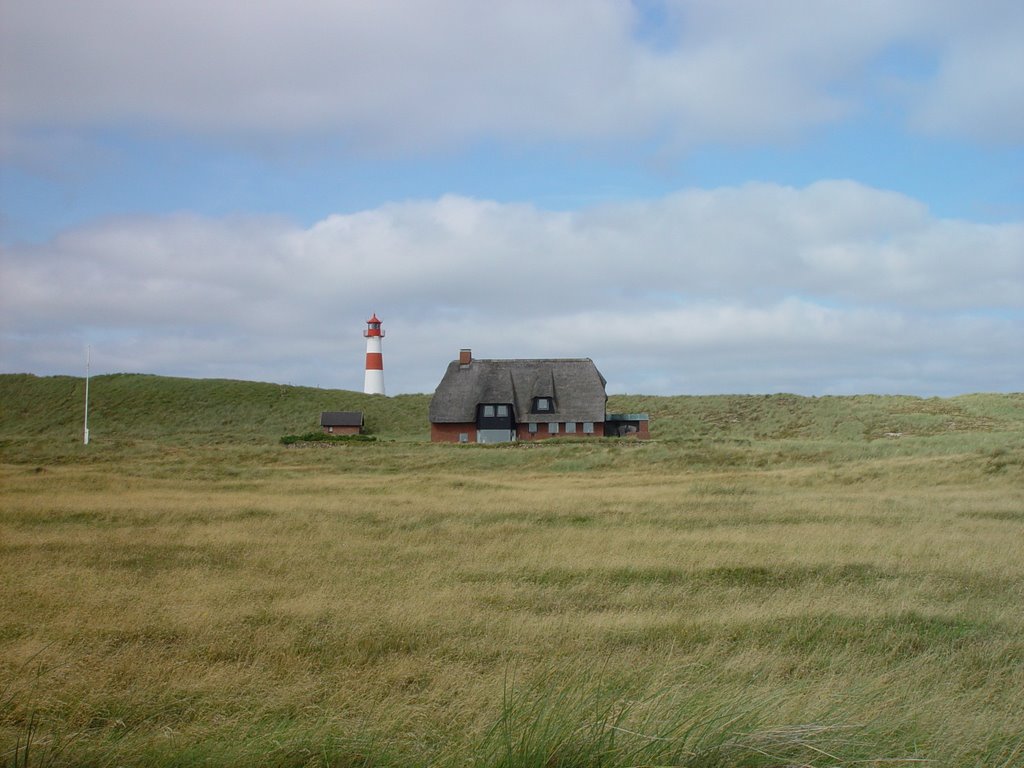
{"x": 570, "y": 427}
{"x": 552, "y": 427}
{"x": 588, "y": 427}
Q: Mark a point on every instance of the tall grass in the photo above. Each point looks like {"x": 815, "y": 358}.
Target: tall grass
{"x": 584, "y": 720}
{"x": 178, "y": 595}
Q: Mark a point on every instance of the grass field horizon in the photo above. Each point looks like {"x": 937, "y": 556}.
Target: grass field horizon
{"x": 771, "y": 580}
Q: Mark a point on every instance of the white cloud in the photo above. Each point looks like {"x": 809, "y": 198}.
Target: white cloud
{"x": 835, "y": 286}
{"x": 978, "y": 89}
{"x": 389, "y": 74}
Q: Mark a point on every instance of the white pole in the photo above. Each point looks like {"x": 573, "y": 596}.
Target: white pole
{"x": 88, "y": 354}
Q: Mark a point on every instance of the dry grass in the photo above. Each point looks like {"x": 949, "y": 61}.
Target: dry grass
{"x": 333, "y": 617}
{"x": 771, "y": 582}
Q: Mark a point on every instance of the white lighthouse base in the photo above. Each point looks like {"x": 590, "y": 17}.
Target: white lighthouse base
{"x": 373, "y": 384}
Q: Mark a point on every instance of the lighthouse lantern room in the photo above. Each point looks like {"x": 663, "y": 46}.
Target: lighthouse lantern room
{"x": 373, "y": 383}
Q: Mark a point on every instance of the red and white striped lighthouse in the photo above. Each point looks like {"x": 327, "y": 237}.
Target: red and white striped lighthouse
{"x": 373, "y": 384}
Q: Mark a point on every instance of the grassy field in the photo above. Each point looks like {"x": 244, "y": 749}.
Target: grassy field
{"x": 771, "y": 581}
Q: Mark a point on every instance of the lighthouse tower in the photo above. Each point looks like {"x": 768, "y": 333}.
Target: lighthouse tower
{"x": 373, "y": 384}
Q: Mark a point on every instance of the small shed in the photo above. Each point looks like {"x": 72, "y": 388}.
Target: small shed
{"x": 342, "y": 422}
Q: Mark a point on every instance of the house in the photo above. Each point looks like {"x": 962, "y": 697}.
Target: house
{"x": 490, "y": 401}
{"x": 341, "y": 422}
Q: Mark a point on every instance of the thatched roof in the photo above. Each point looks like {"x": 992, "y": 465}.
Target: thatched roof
{"x": 575, "y": 386}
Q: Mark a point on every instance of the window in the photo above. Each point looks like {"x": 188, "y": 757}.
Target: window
{"x": 552, "y": 427}
{"x": 494, "y": 410}
{"x": 570, "y": 427}
{"x": 330, "y": 429}
{"x": 533, "y": 427}
{"x": 543, "y": 405}
{"x": 463, "y": 437}
{"x": 588, "y": 427}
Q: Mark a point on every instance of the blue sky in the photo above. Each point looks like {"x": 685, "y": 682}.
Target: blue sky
{"x": 817, "y": 197}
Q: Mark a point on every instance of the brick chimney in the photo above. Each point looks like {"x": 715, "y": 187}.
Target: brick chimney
{"x": 465, "y": 357}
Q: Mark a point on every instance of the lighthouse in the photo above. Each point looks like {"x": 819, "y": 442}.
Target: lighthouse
{"x": 373, "y": 384}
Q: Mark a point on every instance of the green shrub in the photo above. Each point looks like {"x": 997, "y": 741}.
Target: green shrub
{"x": 322, "y": 437}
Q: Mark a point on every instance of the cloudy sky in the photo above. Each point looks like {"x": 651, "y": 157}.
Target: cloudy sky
{"x": 704, "y": 196}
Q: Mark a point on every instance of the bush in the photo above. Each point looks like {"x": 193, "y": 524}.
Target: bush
{"x": 322, "y": 437}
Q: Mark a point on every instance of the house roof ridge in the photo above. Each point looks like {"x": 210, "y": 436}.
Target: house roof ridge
{"x": 532, "y": 360}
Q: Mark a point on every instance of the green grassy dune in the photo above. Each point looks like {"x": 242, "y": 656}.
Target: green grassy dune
{"x": 144, "y": 406}
{"x": 770, "y": 581}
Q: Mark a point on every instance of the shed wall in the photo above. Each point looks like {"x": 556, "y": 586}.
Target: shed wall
{"x": 341, "y": 430}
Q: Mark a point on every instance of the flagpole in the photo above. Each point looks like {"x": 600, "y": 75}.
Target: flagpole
{"x": 88, "y": 355}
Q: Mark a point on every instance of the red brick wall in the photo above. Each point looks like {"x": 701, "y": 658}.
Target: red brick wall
{"x": 341, "y": 430}
{"x": 449, "y": 433}
{"x": 523, "y": 431}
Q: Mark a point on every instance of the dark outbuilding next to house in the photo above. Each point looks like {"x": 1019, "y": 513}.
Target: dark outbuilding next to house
{"x": 627, "y": 425}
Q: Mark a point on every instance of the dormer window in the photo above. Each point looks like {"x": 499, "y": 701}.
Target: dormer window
{"x": 543, "y": 405}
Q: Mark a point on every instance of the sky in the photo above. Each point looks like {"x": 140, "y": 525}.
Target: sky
{"x": 821, "y": 197}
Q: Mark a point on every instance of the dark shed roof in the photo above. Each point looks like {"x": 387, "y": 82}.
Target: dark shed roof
{"x": 341, "y": 419}
{"x": 575, "y": 385}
